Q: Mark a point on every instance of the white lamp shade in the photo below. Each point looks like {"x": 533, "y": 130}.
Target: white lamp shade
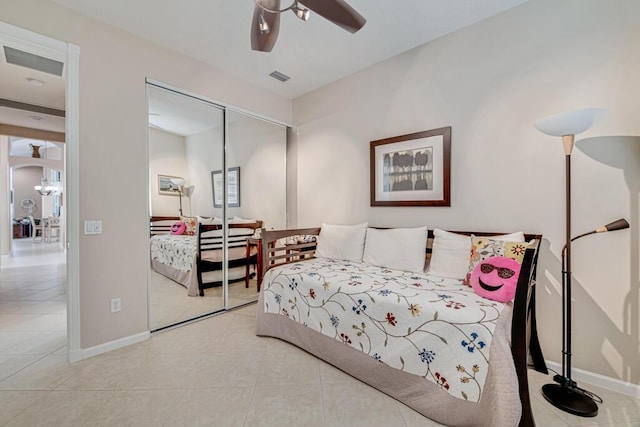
{"x": 570, "y": 123}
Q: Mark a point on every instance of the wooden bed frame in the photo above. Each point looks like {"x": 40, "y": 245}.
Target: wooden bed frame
{"x": 283, "y": 246}
{"x": 214, "y": 242}
{"x": 161, "y": 224}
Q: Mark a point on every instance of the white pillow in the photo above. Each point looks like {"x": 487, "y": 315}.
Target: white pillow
{"x": 451, "y": 252}
{"x": 344, "y": 242}
{"x": 396, "y": 248}
{"x": 208, "y": 220}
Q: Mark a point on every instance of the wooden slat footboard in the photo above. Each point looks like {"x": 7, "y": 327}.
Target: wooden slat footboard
{"x": 285, "y": 246}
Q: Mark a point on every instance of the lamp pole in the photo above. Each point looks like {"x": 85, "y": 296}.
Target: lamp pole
{"x": 567, "y": 142}
{"x": 565, "y": 394}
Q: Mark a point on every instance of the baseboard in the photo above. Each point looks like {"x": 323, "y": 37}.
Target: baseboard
{"x": 85, "y": 353}
{"x": 609, "y": 383}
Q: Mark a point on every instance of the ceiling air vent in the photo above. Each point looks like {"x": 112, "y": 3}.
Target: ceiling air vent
{"x": 35, "y": 62}
{"x": 279, "y": 76}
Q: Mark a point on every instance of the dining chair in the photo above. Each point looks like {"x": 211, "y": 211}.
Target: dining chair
{"x": 53, "y": 224}
{"x": 37, "y": 230}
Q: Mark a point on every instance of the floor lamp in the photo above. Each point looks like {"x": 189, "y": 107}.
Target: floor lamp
{"x": 183, "y": 191}
{"x": 566, "y": 395}
{"x": 180, "y": 183}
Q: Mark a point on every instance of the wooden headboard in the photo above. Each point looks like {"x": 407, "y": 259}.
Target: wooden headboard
{"x": 161, "y": 224}
{"x": 275, "y": 252}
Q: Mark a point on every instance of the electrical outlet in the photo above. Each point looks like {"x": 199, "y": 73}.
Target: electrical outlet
{"x": 116, "y": 305}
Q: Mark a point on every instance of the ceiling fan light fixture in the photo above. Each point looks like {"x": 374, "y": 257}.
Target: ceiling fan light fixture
{"x": 262, "y": 24}
{"x": 264, "y": 32}
{"x": 302, "y": 13}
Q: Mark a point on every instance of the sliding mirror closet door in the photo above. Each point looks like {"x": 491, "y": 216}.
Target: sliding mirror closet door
{"x": 256, "y": 196}
{"x": 186, "y": 143}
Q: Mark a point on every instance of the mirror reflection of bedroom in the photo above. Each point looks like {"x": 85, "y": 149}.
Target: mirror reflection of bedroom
{"x": 201, "y": 263}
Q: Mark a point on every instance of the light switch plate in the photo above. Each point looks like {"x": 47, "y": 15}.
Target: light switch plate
{"x": 93, "y": 226}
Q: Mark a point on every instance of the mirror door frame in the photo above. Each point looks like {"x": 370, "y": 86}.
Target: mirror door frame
{"x": 149, "y": 82}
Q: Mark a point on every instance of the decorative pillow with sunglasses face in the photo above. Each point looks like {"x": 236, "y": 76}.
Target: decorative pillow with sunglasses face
{"x": 178, "y": 228}
{"x": 496, "y": 278}
{"x": 494, "y": 267}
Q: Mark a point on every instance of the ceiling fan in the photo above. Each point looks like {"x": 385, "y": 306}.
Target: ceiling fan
{"x": 266, "y": 18}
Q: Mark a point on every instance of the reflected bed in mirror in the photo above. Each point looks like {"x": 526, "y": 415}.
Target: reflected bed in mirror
{"x": 196, "y": 260}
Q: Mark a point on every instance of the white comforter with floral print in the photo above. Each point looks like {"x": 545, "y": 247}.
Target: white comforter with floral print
{"x": 428, "y": 326}
{"x": 175, "y": 251}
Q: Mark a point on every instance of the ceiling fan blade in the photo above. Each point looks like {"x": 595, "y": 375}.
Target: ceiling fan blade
{"x": 338, "y": 12}
{"x": 264, "y": 41}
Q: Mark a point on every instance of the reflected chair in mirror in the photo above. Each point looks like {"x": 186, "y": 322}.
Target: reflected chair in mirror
{"x": 52, "y": 229}
{"x": 37, "y": 230}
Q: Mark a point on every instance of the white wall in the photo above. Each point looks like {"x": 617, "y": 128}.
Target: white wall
{"x": 490, "y": 82}
{"x": 113, "y": 152}
{"x": 259, "y": 149}
{"x": 6, "y": 225}
{"x": 167, "y": 156}
{"x": 24, "y": 179}
{"x": 204, "y": 154}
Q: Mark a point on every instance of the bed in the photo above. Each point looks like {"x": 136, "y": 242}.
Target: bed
{"x": 459, "y": 390}
{"x": 196, "y": 261}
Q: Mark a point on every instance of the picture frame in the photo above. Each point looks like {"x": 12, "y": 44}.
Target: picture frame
{"x": 166, "y": 187}
{"x": 233, "y": 187}
{"x": 412, "y": 169}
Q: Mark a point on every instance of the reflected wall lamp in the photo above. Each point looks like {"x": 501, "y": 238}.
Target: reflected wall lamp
{"x": 566, "y": 394}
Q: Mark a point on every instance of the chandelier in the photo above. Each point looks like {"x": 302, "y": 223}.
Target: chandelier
{"x": 45, "y": 188}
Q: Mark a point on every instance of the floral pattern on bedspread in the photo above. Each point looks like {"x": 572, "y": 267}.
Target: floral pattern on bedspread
{"x": 425, "y": 325}
{"x": 174, "y": 251}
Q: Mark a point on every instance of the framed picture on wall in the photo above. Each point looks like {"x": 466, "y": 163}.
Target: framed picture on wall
{"x": 166, "y": 186}
{"x": 233, "y": 187}
{"x": 412, "y": 170}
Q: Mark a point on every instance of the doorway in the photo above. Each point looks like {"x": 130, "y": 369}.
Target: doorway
{"x": 28, "y": 45}
{"x": 204, "y": 223}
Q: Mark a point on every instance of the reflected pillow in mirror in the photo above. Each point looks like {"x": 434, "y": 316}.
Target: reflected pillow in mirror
{"x": 191, "y": 224}
{"x": 178, "y": 228}
{"x": 238, "y": 220}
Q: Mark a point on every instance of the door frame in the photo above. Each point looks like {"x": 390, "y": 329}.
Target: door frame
{"x": 69, "y": 54}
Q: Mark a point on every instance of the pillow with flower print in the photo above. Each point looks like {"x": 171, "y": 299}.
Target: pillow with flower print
{"x": 191, "y": 225}
{"x": 494, "y": 267}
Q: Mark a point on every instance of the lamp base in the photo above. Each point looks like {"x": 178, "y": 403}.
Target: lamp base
{"x": 569, "y": 400}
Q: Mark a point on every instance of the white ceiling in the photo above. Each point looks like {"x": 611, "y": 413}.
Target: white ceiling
{"x": 217, "y": 32}
{"x": 312, "y": 53}
{"x": 180, "y": 114}
{"x": 14, "y": 86}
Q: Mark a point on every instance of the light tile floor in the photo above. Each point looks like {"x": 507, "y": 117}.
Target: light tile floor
{"x": 170, "y": 303}
{"x": 215, "y": 372}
